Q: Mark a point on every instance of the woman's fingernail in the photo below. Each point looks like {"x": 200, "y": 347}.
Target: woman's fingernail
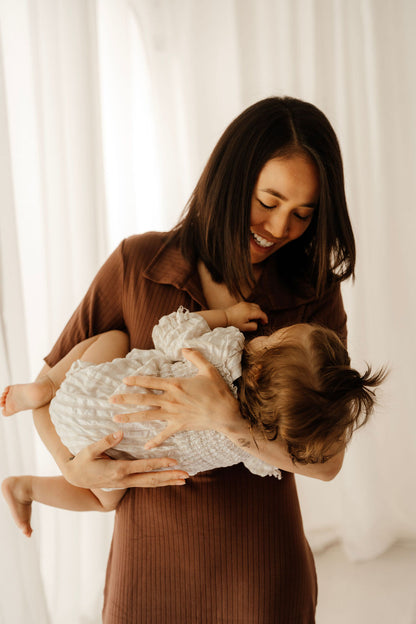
{"x": 116, "y": 434}
{"x": 180, "y": 482}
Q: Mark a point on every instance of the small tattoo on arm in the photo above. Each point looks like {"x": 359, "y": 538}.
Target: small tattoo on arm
{"x": 244, "y": 442}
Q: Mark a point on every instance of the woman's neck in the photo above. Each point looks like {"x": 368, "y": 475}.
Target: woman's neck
{"x": 217, "y": 295}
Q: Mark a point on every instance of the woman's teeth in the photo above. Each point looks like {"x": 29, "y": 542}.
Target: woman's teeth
{"x": 261, "y": 241}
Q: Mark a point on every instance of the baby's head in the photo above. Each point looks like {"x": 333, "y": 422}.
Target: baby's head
{"x": 298, "y": 386}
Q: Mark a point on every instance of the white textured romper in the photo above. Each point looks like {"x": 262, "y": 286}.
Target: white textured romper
{"x": 82, "y": 413}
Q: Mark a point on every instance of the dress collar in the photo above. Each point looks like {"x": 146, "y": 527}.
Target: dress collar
{"x": 170, "y": 267}
{"x": 272, "y": 291}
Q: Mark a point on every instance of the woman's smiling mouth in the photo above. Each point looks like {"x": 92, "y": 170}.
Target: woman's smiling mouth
{"x": 262, "y": 242}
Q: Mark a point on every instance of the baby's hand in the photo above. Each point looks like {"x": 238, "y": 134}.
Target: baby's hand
{"x": 244, "y": 315}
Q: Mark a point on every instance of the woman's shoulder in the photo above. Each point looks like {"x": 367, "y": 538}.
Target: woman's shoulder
{"x": 141, "y": 244}
{"x": 140, "y": 249}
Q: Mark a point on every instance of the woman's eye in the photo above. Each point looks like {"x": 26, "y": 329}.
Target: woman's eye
{"x": 266, "y": 206}
{"x": 302, "y": 218}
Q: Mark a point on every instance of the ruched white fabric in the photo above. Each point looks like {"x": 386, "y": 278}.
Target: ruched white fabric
{"x": 82, "y": 414}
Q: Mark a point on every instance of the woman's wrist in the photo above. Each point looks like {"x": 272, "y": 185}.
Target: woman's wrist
{"x": 234, "y": 426}
{"x": 63, "y": 458}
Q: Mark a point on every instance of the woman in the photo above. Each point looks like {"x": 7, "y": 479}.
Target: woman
{"x": 267, "y": 223}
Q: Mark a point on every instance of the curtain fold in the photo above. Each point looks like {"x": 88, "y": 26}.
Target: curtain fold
{"x": 24, "y": 600}
{"x": 53, "y": 219}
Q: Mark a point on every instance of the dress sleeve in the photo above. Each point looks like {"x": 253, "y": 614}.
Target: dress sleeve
{"x": 329, "y": 311}
{"x": 100, "y": 310}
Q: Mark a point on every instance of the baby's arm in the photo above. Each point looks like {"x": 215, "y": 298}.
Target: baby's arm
{"x": 242, "y": 315}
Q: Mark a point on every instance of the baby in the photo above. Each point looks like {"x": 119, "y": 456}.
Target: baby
{"x": 295, "y": 385}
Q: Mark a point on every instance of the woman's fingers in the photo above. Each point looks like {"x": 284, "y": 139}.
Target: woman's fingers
{"x": 144, "y": 381}
{"x": 149, "y": 472}
{"x": 161, "y": 383}
{"x": 91, "y": 468}
{"x": 136, "y": 399}
{"x": 162, "y": 436}
{"x": 96, "y": 449}
{"x": 140, "y": 416}
{"x": 155, "y": 479}
{"x": 197, "y": 359}
{"x": 134, "y": 466}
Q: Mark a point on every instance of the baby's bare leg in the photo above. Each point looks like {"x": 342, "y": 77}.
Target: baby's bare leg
{"x": 97, "y": 349}
{"x": 20, "y": 397}
{"x": 20, "y": 492}
{"x": 17, "y": 492}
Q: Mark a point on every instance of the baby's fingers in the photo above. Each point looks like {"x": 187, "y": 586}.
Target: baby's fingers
{"x": 257, "y": 313}
{"x": 263, "y": 318}
{"x": 251, "y": 326}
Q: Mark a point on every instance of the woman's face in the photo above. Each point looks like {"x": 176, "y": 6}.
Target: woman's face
{"x": 283, "y": 202}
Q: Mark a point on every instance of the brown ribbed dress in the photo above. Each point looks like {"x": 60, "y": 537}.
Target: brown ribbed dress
{"x": 228, "y": 547}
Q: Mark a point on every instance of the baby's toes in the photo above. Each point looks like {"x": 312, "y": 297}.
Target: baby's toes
{"x": 4, "y": 396}
{"x": 26, "y": 528}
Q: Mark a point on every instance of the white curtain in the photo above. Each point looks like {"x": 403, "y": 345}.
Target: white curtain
{"x": 52, "y": 241}
{"x": 108, "y": 112}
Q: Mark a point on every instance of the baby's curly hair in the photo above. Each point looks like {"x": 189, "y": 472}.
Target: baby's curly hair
{"x": 305, "y": 393}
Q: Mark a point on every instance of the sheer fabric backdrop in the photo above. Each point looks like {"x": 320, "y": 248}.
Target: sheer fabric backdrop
{"x": 108, "y": 112}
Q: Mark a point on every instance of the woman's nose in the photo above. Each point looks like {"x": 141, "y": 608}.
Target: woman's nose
{"x": 278, "y": 225}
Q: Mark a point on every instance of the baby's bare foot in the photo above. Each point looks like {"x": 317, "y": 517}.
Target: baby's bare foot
{"x": 17, "y": 492}
{"x": 27, "y": 396}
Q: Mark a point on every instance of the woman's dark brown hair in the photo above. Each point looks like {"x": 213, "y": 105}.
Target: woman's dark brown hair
{"x": 305, "y": 393}
{"x": 215, "y": 227}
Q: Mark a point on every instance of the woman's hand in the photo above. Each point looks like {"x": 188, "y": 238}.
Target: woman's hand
{"x": 186, "y": 404}
{"x": 91, "y": 468}
{"x": 205, "y": 402}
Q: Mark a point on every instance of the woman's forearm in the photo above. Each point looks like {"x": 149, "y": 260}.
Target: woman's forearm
{"x": 274, "y": 452}
{"x": 50, "y": 438}
{"x": 47, "y": 432}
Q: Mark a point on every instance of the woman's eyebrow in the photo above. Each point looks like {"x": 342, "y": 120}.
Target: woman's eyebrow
{"x": 283, "y": 198}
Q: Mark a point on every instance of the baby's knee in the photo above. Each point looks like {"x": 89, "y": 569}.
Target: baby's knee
{"x": 114, "y": 343}
{"x": 106, "y": 347}
{"x": 119, "y": 339}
